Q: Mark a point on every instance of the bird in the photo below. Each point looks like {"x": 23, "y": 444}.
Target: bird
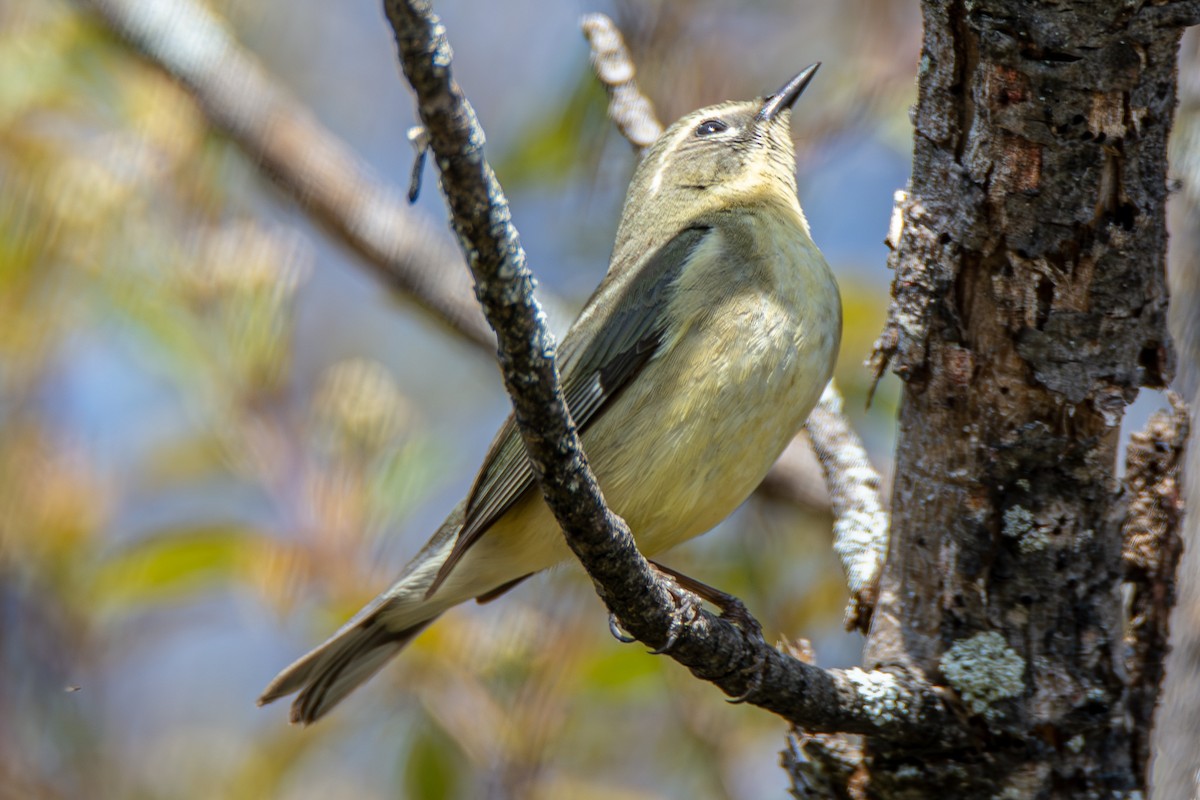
{"x": 697, "y": 359}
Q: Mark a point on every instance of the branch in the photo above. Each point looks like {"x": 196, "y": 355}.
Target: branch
{"x": 311, "y": 164}
{"x": 861, "y": 526}
{"x": 1151, "y": 548}
{"x": 628, "y": 108}
{"x": 821, "y": 766}
{"x": 880, "y": 703}
{"x": 860, "y": 523}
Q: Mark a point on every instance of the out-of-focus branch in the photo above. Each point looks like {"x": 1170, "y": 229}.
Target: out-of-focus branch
{"x": 628, "y": 108}
{"x": 302, "y": 156}
{"x": 861, "y": 524}
{"x": 1151, "y": 547}
{"x": 796, "y": 477}
{"x": 860, "y": 527}
{"x": 878, "y": 703}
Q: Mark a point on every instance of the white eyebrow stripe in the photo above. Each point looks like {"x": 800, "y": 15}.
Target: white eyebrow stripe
{"x": 656, "y": 181}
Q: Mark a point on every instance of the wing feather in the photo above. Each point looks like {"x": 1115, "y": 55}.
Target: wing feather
{"x": 630, "y": 328}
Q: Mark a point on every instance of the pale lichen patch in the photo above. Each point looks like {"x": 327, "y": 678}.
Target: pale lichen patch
{"x": 983, "y": 670}
{"x": 1019, "y": 524}
{"x": 882, "y": 697}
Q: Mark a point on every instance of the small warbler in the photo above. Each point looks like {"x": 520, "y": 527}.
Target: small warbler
{"x": 688, "y": 371}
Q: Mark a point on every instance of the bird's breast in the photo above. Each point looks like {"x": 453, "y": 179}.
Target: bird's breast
{"x": 756, "y": 322}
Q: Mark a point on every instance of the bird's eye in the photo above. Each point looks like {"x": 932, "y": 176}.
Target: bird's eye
{"x": 710, "y": 126}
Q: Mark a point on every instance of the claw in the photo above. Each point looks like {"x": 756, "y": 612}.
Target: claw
{"x": 756, "y": 681}
{"x": 619, "y": 633}
{"x": 672, "y": 638}
{"x": 732, "y": 609}
{"x": 418, "y": 136}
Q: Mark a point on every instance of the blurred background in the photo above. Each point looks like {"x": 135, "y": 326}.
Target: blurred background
{"x": 220, "y": 433}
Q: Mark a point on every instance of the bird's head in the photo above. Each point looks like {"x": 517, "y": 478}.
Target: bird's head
{"x": 723, "y": 155}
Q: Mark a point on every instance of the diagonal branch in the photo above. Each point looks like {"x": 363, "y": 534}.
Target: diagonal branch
{"x": 880, "y": 703}
{"x": 628, "y": 108}
{"x": 861, "y": 525}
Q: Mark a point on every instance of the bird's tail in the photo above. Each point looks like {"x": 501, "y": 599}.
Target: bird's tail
{"x": 333, "y": 670}
{"x": 372, "y": 638}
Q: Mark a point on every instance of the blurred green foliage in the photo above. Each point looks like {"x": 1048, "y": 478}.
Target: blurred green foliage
{"x": 558, "y": 142}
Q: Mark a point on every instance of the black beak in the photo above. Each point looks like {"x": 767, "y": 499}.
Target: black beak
{"x": 787, "y": 95}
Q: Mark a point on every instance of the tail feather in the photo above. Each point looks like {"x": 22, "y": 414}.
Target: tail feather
{"x": 381, "y": 629}
{"x": 333, "y": 670}
{"x": 371, "y": 638}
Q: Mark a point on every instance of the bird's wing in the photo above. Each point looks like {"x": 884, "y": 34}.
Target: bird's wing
{"x": 629, "y": 332}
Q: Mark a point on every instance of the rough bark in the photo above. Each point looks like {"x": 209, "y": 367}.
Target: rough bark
{"x": 1030, "y": 305}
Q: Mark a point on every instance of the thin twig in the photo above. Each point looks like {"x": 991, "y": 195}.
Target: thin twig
{"x": 860, "y": 524}
{"x": 879, "y": 703}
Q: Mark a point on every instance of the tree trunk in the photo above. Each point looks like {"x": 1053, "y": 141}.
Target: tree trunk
{"x": 1030, "y": 305}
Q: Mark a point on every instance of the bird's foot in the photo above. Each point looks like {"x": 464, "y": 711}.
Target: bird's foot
{"x": 732, "y": 609}
{"x": 686, "y": 592}
{"x": 686, "y": 610}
